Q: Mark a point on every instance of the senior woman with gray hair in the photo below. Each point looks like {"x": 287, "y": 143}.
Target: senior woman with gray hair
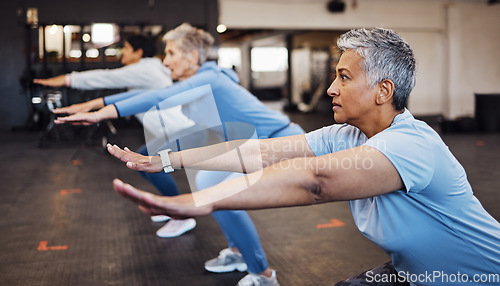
{"x": 186, "y": 56}
{"x": 406, "y": 191}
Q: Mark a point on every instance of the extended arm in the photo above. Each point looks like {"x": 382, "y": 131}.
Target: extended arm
{"x": 178, "y": 94}
{"x": 107, "y": 109}
{"x": 88, "y": 118}
{"x": 124, "y": 77}
{"x": 57, "y": 81}
{"x": 93, "y": 104}
{"x": 133, "y": 102}
{"x": 352, "y": 174}
{"x": 234, "y": 156}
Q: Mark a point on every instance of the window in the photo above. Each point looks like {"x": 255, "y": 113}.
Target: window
{"x": 92, "y": 41}
{"x": 229, "y": 57}
{"x": 269, "y": 59}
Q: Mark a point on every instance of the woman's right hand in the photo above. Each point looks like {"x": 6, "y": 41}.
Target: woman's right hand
{"x": 72, "y": 109}
{"x": 81, "y": 118}
{"x": 58, "y": 81}
{"x": 136, "y": 161}
{"x": 178, "y": 207}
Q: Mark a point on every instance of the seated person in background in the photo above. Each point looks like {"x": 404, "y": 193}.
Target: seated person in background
{"x": 406, "y": 191}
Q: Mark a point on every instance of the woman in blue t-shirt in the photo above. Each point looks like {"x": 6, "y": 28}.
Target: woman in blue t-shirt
{"x": 406, "y": 191}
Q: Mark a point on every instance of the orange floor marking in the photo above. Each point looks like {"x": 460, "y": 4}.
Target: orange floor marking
{"x": 42, "y": 246}
{"x": 77, "y": 163}
{"x": 333, "y": 223}
{"x": 480, "y": 143}
{"x": 70, "y": 191}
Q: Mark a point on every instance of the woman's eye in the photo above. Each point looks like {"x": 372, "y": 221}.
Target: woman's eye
{"x": 343, "y": 77}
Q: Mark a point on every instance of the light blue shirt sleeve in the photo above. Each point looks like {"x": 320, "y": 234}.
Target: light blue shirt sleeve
{"x": 319, "y": 141}
{"x": 112, "y": 99}
{"x": 410, "y": 153}
{"x": 148, "y": 99}
{"x": 334, "y": 138}
{"x": 407, "y": 146}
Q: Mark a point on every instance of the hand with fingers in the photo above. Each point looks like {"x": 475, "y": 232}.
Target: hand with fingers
{"x": 177, "y": 207}
{"x": 136, "y": 161}
{"x": 57, "y": 81}
{"x": 73, "y": 109}
{"x": 85, "y": 118}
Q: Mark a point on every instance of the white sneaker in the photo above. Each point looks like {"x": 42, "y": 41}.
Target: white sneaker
{"x": 227, "y": 261}
{"x": 259, "y": 280}
{"x": 176, "y": 227}
{"x": 160, "y": 218}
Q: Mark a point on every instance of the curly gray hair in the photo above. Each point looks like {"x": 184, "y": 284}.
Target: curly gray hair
{"x": 385, "y": 56}
{"x": 190, "y": 38}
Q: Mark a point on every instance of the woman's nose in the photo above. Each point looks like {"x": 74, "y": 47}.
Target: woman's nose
{"x": 333, "y": 90}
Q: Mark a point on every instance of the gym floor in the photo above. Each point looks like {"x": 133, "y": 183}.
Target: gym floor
{"x": 62, "y": 224}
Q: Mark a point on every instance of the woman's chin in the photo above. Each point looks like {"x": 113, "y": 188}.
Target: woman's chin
{"x": 338, "y": 118}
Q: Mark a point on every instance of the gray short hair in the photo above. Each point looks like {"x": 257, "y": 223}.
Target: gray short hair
{"x": 385, "y": 56}
{"x": 190, "y": 38}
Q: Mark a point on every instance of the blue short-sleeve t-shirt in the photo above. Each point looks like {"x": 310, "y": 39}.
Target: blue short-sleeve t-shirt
{"x": 435, "y": 227}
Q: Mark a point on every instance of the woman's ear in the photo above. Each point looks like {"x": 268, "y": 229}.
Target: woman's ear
{"x": 138, "y": 54}
{"x": 386, "y": 91}
{"x": 193, "y": 58}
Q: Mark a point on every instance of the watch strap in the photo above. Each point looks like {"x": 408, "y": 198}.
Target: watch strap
{"x": 165, "y": 160}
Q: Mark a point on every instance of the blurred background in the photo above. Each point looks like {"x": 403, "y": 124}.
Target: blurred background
{"x": 283, "y": 50}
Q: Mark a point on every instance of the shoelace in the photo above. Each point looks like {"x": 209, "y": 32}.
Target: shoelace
{"x": 225, "y": 253}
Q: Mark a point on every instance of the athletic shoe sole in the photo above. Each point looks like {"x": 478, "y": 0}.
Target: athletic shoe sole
{"x": 241, "y": 267}
{"x": 187, "y": 227}
{"x": 160, "y": 218}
